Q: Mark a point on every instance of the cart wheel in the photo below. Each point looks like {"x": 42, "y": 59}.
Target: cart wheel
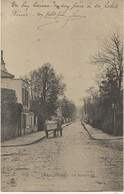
{"x": 54, "y": 134}
{"x": 47, "y": 134}
{"x": 61, "y": 133}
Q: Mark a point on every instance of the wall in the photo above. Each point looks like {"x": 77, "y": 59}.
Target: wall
{"x": 10, "y": 121}
{"x": 29, "y": 126}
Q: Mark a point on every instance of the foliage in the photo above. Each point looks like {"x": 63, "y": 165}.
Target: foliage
{"x": 109, "y": 91}
{"x": 10, "y": 114}
{"x": 68, "y": 108}
{"x": 8, "y": 96}
{"x": 46, "y": 87}
{"x": 102, "y": 107}
{"x": 9, "y": 102}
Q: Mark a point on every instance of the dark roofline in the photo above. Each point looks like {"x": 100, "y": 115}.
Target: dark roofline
{"x": 21, "y": 79}
{"x": 12, "y": 76}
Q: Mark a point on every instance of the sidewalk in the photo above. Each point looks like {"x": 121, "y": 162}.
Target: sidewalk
{"x": 27, "y": 139}
{"x": 97, "y": 134}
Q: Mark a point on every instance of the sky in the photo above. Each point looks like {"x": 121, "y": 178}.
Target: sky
{"x": 67, "y": 46}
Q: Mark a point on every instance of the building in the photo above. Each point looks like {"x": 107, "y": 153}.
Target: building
{"x": 28, "y": 122}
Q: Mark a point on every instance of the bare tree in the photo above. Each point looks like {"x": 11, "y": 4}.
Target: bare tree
{"x": 110, "y": 57}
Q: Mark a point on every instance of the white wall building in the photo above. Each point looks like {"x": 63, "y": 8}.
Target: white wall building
{"x": 22, "y": 89}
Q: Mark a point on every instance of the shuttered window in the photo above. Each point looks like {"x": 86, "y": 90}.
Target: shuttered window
{"x": 25, "y": 97}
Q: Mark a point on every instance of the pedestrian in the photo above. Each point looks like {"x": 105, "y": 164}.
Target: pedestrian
{"x": 59, "y": 126}
{"x": 45, "y": 128}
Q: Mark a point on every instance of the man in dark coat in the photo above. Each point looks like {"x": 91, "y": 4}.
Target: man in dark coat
{"x": 59, "y": 126}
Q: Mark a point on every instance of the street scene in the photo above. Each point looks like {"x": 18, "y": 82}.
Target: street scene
{"x": 62, "y": 96}
{"x": 73, "y": 162}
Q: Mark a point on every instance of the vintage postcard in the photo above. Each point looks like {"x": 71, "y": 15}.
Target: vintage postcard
{"x": 61, "y": 95}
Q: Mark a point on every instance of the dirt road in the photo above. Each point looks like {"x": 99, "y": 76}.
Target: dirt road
{"x": 73, "y": 162}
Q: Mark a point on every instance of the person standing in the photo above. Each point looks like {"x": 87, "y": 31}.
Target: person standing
{"x": 59, "y": 126}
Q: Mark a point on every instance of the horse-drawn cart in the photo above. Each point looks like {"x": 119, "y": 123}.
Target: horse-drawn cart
{"x": 53, "y": 126}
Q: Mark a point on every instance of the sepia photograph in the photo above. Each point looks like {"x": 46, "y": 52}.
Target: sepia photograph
{"x": 62, "y": 96}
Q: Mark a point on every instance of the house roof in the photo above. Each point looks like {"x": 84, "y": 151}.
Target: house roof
{"x": 5, "y": 74}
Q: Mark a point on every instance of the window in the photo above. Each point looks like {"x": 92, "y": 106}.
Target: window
{"x": 25, "y": 97}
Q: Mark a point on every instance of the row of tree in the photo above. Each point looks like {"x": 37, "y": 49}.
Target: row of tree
{"x": 46, "y": 90}
{"x": 68, "y": 109}
{"x": 103, "y": 107}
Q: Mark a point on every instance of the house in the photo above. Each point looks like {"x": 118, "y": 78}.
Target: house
{"x": 28, "y": 122}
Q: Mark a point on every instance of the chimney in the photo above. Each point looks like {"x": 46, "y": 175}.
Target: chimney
{"x": 2, "y": 62}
